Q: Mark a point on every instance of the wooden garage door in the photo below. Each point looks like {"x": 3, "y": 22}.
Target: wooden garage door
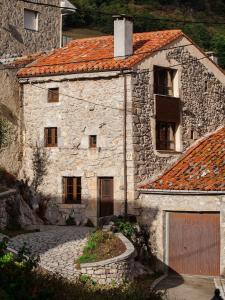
{"x": 194, "y": 243}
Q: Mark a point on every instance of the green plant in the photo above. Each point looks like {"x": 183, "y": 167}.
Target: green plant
{"x": 84, "y": 278}
{"x": 40, "y": 162}
{"x": 70, "y": 221}
{"x": 125, "y": 227}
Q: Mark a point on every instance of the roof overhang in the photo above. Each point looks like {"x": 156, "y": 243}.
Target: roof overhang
{"x": 180, "y": 192}
{"x": 67, "y": 8}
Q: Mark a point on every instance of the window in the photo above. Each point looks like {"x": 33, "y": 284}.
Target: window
{"x": 51, "y": 137}
{"x": 53, "y": 95}
{"x": 92, "y": 141}
{"x": 72, "y": 190}
{"x": 164, "y": 81}
{"x": 30, "y": 19}
{"x": 165, "y": 135}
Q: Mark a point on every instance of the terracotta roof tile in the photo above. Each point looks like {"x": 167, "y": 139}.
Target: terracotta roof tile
{"x": 201, "y": 168}
{"x": 96, "y": 54}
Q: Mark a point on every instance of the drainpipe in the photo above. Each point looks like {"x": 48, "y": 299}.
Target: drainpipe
{"x": 21, "y": 121}
{"x": 125, "y": 145}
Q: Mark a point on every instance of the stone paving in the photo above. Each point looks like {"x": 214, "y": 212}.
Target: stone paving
{"x": 57, "y": 246}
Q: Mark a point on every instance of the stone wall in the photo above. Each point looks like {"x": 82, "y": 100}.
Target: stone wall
{"x": 156, "y": 207}
{"x": 94, "y": 106}
{"x": 115, "y": 270}
{"x": 17, "y": 41}
{"x": 10, "y": 110}
{"x": 13, "y": 209}
{"x": 202, "y": 96}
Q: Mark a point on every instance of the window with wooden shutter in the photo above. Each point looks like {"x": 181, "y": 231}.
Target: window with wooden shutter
{"x": 93, "y": 141}
{"x": 51, "y": 138}
{"x": 53, "y": 95}
{"x": 72, "y": 190}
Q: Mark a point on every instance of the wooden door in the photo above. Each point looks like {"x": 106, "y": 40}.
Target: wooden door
{"x": 105, "y": 196}
{"x": 194, "y": 243}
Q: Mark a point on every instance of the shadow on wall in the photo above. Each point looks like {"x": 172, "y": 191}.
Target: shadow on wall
{"x": 14, "y": 33}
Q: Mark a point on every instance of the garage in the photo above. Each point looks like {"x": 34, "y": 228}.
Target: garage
{"x": 194, "y": 243}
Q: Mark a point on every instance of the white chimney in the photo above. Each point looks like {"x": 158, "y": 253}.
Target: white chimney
{"x": 123, "y": 36}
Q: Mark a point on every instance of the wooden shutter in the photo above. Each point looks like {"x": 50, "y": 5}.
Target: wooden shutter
{"x": 74, "y": 189}
{"x": 55, "y": 137}
{"x": 64, "y": 189}
{"x": 167, "y": 109}
{"x": 53, "y": 95}
{"x": 46, "y": 137}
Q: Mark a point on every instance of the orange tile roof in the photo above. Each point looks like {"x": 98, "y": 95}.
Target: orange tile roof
{"x": 96, "y": 54}
{"x": 25, "y": 60}
{"x": 202, "y": 168}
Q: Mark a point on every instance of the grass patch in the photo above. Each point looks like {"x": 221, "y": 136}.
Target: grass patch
{"x": 12, "y": 233}
{"x": 100, "y": 246}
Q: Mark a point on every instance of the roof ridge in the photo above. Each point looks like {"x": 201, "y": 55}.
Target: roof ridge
{"x": 135, "y": 33}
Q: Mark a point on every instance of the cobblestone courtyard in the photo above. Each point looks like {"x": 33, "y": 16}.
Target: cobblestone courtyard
{"x": 57, "y": 246}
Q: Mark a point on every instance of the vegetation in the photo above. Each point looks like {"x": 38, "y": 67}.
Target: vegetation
{"x": 209, "y": 37}
{"x": 40, "y": 162}
{"x": 21, "y": 280}
{"x": 100, "y": 246}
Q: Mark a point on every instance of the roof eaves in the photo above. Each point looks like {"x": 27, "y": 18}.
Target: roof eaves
{"x": 180, "y": 192}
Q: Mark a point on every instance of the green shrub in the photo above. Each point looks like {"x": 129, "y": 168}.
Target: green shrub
{"x": 125, "y": 227}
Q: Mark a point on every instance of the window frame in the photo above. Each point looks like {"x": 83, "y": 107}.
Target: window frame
{"x": 51, "y": 140}
{"x": 36, "y": 13}
{"x": 167, "y": 126}
{"x": 164, "y": 89}
{"x": 52, "y": 94}
{"x": 74, "y": 196}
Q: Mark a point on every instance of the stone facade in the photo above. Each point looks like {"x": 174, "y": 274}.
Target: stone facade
{"x": 17, "y": 41}
{"x": 92, "y": 104}
{"x": 202, "y": 94}
{"x": 10, "y": 110}
{"x": 155, "y": 209}
{"x": 115, "y": 270}
{"x": 94, "y": 107}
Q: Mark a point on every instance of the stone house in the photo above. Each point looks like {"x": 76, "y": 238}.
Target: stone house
{"x": 25, "y": 28}
{"x": 112, "y": 112}
{"x": 185, "y": 210}
{"x": 30, "y": 27}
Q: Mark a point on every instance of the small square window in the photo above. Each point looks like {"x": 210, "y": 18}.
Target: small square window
{"x": 51, "y": 138}
{"x": 53, "y": 95}
{"x": 30, "y": 19}
{"x": 93, "y": 141}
